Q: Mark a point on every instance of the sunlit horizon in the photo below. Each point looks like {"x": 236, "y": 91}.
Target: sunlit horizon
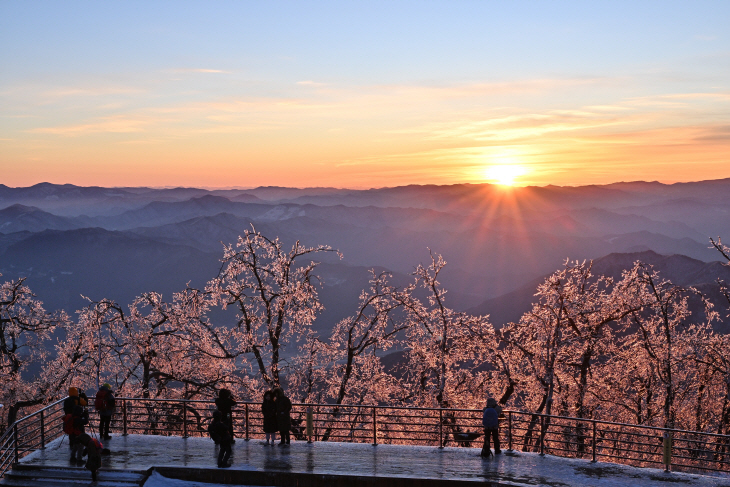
{"x": 513, "y": 183}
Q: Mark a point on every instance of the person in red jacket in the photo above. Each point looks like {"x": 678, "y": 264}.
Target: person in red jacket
{"x": 73, "y": 426}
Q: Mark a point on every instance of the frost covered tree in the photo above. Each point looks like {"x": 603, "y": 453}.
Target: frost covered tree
{"x": 663, "y": 317}
{"x": 581, "y": 313}
{"x": 355, "y": 374}
{"x": 627, "y": 350}
{"x": 273, "y": 293}
{"x": 445, "y": 348}
{"x": 356, "y": 340}
{"x": 25, "y": 327}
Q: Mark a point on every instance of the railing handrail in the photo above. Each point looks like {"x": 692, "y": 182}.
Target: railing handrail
{"x": 17, "y": 422}
{"x": 420, "y": 408}
{"x": 10, "y": 440}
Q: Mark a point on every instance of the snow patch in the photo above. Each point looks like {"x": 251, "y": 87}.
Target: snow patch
{"x": 157, "y": 480}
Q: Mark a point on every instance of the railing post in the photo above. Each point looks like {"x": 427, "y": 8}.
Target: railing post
{"x": 124, "y": 418}
{"x": 247, "y": 437}
{"x": 310, "y": 424}
{"x": 15, "y": 442}
{"x": 375, "y": 427}
{"x": 667, "y": 450}
{"x": 441, "y": 427}
{"x": 594, "y": 441}
{"x": 185, "y": 419}
{"x": 542, "y": 435}
{"x": 509, "y": 429}
{"x": 43, "y": 431}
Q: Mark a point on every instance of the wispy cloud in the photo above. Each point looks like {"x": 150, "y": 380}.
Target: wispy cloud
{"x": 522, "y": 126}
{"x": 108, "y": 125}
{"x": 200, "y": 70}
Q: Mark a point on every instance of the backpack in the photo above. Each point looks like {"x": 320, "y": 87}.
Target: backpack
{"x": 214, "y": 431}
{"x": 73, "y": 424}
{"x": 69, "y": 403}
{"x": 68, "y": 425}
{"x": 100, "y": 402}
{"x": 81, "y": 421}
{"x": 490, "y": 419}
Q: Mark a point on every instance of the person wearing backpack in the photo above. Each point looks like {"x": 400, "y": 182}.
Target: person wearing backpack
{"x": 73, "y": 425}
{"x": 219, "y": 433}
{"x": 105, "y": 404}
{"x": 74, "y": 399}
{"x": 490, "y": 421}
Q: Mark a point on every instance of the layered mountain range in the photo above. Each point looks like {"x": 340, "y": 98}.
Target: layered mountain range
{"x": 499, "y": 242}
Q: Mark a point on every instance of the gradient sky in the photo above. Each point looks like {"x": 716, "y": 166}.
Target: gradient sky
{"x": 363, "y": 94}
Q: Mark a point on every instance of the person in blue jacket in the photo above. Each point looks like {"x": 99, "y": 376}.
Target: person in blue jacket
{"x": 490, "y": 421}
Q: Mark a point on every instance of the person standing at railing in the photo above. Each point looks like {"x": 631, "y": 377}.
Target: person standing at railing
{"x": 283, "y": 415}
{"x": 74, "y": 426}
{"x": 73, "y": 401}
{"x": 225, "y": 402}
{"x": 218, "y": 431}
{"x": 268, "y": 410}
{"x": 490, "y": 421}
{"x": 105, "y": 403}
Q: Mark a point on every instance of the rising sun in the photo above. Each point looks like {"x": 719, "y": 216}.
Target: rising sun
{"x": 504, "y": 174}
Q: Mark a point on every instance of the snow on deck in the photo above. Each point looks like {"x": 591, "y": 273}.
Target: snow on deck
{"x": 140, "y": 452}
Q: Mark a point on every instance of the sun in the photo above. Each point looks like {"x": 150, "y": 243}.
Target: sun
{"x": 504, "y": 174}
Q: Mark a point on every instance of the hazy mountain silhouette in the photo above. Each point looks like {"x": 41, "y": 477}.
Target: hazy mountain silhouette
{"x": 19, "y": 218}
{"x": 61, "y": 265}
{"x": 164, "y": 212}
{"x": 247, "y": 198}
{"x": 679, "y": 269}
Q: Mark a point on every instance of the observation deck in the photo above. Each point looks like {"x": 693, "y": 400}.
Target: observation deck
{"x": 154, "y": 453}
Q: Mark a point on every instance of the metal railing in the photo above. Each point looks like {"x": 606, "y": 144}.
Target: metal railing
{"x": 590, "y": 439}
{"x": 31, "y": 433}
{"x": 545, "y": 434}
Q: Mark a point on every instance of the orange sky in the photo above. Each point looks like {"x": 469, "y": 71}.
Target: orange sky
{"x": 162, "y": 100}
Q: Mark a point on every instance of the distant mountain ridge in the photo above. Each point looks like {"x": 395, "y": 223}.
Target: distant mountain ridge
{"x": 427, "y": 196}
{"x": 496, "y": 240}
{"x": 19, "y": 218}
{"x": 679, "y": 269}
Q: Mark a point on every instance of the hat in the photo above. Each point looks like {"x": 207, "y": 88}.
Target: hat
{"x": 491, "y": 402}
{"x": 72, "y": 391}
{"x": 106, "y": 384}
